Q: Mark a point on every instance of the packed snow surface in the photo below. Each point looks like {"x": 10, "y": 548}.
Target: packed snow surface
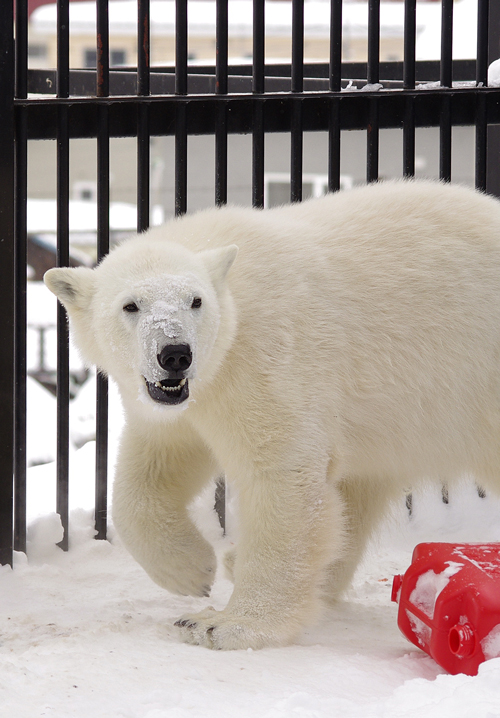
{"x": 87, "y": 633}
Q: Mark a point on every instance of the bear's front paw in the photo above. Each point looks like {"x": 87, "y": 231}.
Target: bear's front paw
{"x": 220, "y": 630}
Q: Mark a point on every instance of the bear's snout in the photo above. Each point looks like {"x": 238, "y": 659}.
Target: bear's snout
{"x": 175, "y": 359}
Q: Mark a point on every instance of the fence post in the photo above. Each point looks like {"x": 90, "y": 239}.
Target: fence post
{"x": 7, "y": 282}
{"x": 493, "y": 162}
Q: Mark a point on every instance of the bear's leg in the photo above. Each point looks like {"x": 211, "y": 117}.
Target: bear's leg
{"x": 156, "y": 479}
{"x": 290, "y": 529}
{"x": 228, "y": 561}
{"x": 365, "y": 503}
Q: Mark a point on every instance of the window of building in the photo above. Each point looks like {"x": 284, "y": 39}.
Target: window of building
{"x": 38, "y": 52}
{"x": 90, "y": 59}
{"x": 116, "y": 57}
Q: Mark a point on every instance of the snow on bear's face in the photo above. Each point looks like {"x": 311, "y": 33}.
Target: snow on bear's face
{"x": 154, "y": 316}
{"x": 167, "y": 322}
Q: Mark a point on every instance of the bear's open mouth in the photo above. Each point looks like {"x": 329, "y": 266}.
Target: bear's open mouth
{"x": 168, "y": 391}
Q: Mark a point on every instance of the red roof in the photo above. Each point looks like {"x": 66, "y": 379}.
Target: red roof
{"x": 33, "y": 4}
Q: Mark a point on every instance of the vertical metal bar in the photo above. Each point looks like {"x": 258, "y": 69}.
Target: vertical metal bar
{"x": 143, "y": 47}
{"x": 409, "y": 138}
{"x": 409, "y": 84}
{"x": 20, "y": 327}
{"x": 101, "y": 485}
{"x": 446, "y": 76}
{"x": 373, "y": 67}
{"x": 297, "y": 147}
{"x": 493, "y": 163}
{"x": 297, "y": 85}
{"x": 372, "y": 149}
{"x": 258, "y": 162}
{"x": 221, "y": 155}
{"x": 180, "y": 159}
{"x": 62, "y": 462}
{"x": 143, "y": 163}
{"x": 482, "y": 43}
{"x": 297, "y": 45}
{"x": 481, "y": 81}
{"x": 334, "y": 146}
{"x": 21, "y": 48}
{"x": 62, "y": 48}
{"x": 335, "y": 68}
{"x": 7, "y": 220}
{"x": 103, "y": 170}
{"x": 258, "y": 57}
{"x": 373, "y": 76}
{"x": 335, "y": 71}
{"x": 446, "y": 67}
{"x": 220, "y": 502}
{"x": 445, "y": 139}
{"x": 409, "y": 44}
{"x": 20, "y": 364}
{"x": 101, "y": 490}
{"x": 143, "y": 137}
{"x": 221, "y": 47}
{"x": 258, "y": 87}
{"x": 221, "y": 85}
{"x": 181, "y": 47}
{"x": 481, "y": 142}
{"x": 181, "y": 88}
{"x": 102, "y": 82}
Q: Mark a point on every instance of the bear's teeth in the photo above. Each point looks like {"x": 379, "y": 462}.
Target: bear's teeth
{"x": 170, "y": 388}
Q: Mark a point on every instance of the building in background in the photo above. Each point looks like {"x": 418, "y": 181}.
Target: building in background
{"x": 201, "y": 18}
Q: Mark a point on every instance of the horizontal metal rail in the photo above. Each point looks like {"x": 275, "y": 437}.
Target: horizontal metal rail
{"x": 42, "y": 115}
{"x": 202, "y": 78}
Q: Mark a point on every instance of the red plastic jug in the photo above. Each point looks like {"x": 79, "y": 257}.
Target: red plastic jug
{"x": 449, "y": 603}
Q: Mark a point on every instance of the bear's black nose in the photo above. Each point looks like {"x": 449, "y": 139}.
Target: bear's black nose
{"x": 175, "y": 358}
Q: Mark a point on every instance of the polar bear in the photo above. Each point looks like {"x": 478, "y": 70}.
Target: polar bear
{"x": 325, "y": 355}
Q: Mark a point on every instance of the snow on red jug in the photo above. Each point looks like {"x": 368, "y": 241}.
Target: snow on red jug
{"x": 449, "y": 603}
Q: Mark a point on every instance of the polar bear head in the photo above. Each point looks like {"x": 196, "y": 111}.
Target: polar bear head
{"x": 155, "y": 316}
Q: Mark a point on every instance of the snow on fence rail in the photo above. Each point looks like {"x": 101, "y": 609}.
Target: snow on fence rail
{"x": 256, "y": 98}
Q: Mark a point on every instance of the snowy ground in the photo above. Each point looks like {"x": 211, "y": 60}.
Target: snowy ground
{"x": 87, "y": 633}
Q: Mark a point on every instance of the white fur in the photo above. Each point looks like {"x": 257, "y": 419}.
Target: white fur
{"x": 352, "y": 350}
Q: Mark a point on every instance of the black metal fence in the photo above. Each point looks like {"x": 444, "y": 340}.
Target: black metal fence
{"x": 184, "y": 100}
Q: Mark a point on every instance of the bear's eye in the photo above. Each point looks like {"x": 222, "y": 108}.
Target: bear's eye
{"x": 196, "y": 303}
{"x": 131, "y": 307}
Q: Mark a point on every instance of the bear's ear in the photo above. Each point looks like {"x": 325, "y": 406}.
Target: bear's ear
{"x": 73, "y": 287}
{"x": 219, "y": 261}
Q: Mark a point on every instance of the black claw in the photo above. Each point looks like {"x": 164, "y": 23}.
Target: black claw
{"x": 184, "y": 623}
{"x": 206, "y": 591}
